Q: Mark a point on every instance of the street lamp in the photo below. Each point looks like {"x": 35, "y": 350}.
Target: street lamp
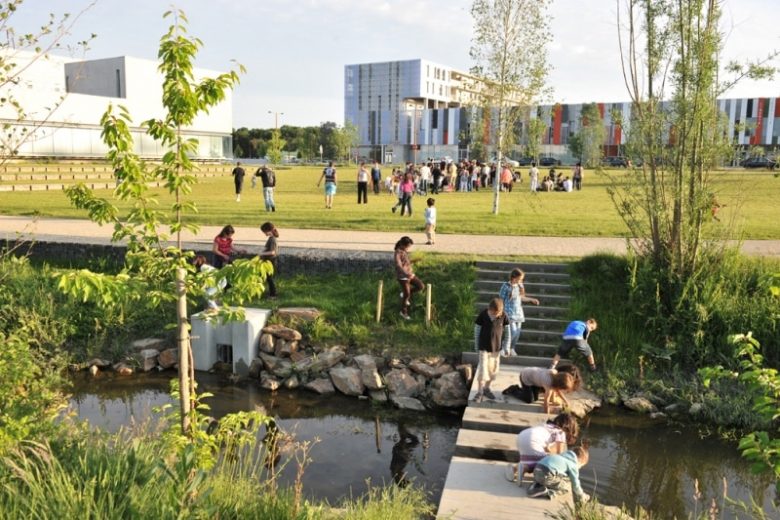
{"x": 276, "y": 118}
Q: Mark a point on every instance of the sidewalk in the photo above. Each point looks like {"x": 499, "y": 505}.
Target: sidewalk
{"x": 85, "y": 231}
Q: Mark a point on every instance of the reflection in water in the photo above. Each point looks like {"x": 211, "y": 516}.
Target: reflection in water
{"x": 632, "y": 461}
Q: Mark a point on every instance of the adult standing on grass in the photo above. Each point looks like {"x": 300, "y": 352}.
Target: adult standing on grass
{"x": 362, "y": 183}
{"x": 491, "y": 335}
{"x": 238, "y": 179}
{"x": 436, "y": 175}
{"x": 223, "y": 247}
{"x": 408, "y": 281}
{"x": 513, "y": 295}
{"x": 407, "y": 192}
{"x": 329, "y": 176}
{"x": 376, "y": 177}
{"x": 576, "y": 176}
{"x": 576, "y": 336}
{"x": 270, "y": 253}
{"x": 425, "y": 178}
{"x": 268, "y": 178}
{"x": 533, "y": 177}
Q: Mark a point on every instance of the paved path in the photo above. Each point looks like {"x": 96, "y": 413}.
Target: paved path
{"x": 75, "y": 230}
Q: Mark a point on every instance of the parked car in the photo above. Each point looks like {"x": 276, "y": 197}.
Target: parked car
{"x": 525, "y": 161}
{"x": 549, "y": 161}
{"x": 506, "y": 160}
{"x": 759, "y": 162}
{"x": 615, "y": 161}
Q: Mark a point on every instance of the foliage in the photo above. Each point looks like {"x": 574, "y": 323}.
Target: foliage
{"x": 587, "y": 143}
{"x": 275, "y": 147}
{"x": 388, "y": 503}
{"x": 345, "y": 138}
{"x": 762, "y": 448}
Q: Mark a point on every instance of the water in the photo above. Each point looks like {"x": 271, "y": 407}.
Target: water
{"x": 633, "y": 461}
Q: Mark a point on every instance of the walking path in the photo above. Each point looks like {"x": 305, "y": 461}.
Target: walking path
{"x": 85, "y": 231}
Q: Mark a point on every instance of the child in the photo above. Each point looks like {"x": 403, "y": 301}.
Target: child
{"x": 554, "y": 383}
{"x": 430, "y": 222}
{"x": 513, "y": 294}
{"x": 223, "y": 247}
{"x": 576, "y": 336}
{"x": 409, "y": 283}
{"x": 211, "y": 288}
{"x": 270, "y": 253}
{"x": 537, "y": 442}
{"x": 550, "y": 474}
{"x": 491, "y": 334}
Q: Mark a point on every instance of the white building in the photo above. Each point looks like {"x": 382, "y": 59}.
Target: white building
{"x": 64, "y": 99}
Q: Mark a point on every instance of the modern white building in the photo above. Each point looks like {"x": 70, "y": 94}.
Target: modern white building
{"x": 64, "y": 99}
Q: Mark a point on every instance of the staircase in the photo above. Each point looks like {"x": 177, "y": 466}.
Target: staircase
{"x": 544, "y": 324}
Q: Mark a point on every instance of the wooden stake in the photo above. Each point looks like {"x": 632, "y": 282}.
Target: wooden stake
{"x": 379, "y": 301}
{"x": 428, "y": 304}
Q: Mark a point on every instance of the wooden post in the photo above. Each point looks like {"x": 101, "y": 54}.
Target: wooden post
{"x": 183, "y": 340}
{"x": 428, "y": 304}
{"x": 379, "y": 301}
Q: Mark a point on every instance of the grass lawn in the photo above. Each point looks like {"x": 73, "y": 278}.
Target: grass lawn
{"x": 749, "y": 198}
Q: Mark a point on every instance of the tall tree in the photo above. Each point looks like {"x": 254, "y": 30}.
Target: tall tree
{"x": 509, "y": 49}
{"x": 275, "y": 146}
{"x": 589, "y": 140}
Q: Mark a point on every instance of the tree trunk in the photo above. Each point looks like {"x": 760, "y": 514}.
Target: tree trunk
{"x": 183, "y": 341}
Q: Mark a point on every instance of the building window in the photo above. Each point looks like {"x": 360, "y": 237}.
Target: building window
{"x": 118, "y": 83}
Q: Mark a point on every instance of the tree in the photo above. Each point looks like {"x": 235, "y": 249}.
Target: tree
{"x": 154, "y": 271}
{"x": 509, "y": 48}
{"x": 18, "y": 52}
{"x": 536, "y": 128}
{"x": 275, "y": 147}
{"x": 346, "y": 138}
{"x": 587, "y": 143}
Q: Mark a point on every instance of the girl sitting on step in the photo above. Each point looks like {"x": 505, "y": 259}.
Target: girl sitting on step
{"x": 537, "y": 442}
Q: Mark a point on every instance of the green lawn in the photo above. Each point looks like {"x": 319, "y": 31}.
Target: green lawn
{"x": 749, "y": 198}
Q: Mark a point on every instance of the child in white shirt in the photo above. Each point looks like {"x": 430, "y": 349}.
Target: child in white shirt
{"x": 430, "y": 222}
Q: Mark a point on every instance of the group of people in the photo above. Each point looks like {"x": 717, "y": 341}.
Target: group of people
{"x": 268, "y": 179}
{"x": 556, "y": 181}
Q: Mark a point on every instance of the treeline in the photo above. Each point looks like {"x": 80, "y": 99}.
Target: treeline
{"x": 303, "y": 141}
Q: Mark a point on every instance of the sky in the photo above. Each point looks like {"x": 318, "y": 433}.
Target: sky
{"x": 295, "y": 50}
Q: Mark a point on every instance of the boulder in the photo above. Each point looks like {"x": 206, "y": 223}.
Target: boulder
{"x": 292, "y": 382}
{"x": 147, "y": 343}
{"x": 395, "y": 363}
{"x": 695, "y": 408}
{"x": 379, "y": 396}
{"x": 434, "y": 361}
{"x": 639, "y": 404}
{"x": 347, "y": 380}
{"x": 321, "y": 386}
{"x": 365, "y": 362}
{"x": 297, "y": 356}
{"x": 449, "y": 391}
{"x": 222, "y": 368}
{"x": 582, "y": 402}
{"x": 93, "y": 370}
{"x": 466, "y": 371}
{"x": 269, "y": 382}
{"x": 168, "y": 357}
{"x": 299, "y": 313}
{"x": 423, "y": 368}
{"x": 407, "y": 403}
{"x": 285, "y": 348}
{"x": 255, "y": 368}
{"x": 327, "y": 359}
{"x": 280, "y": 331}
{"x": 267, "y": 343}
{"x": 444, "y": 368}
{"x": 371, "y": 379}
{"x": 99, "y": 363}
{"x": 401, "y": 383}
{"x": 147, "y": 359}
{"x": 657, "y": 415}
{"x": 123, "y": 369}
{"x": 279, "y": 367}
{"x": 674, "y": 408}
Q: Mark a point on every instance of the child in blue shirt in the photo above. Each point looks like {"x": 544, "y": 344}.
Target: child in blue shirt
{"x": 576, "y": 336}
{"x": 551, "y": 472}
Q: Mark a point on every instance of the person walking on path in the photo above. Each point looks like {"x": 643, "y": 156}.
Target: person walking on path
{"x": 576, "y": 336}
{"x": 533, "y": 178}
{"x": 491, "y": 335}
{"x": 430, "y": 222}
{"x": 238, "y": 179}
{"x": 271, "y": 254}
{"x": 513, "y": 295}
{"x": 551, "y": 472}
{"x": 407, "y": 192}
{"x": 268, "y": 178}
{"x": 376, "y": 177}
{"x": 536, "y": 442}
{"x": 577, "y": 176}
{"x": 329, "y": 175}
{"x": 408, "y": 281}
{"x": 362, "y": 183}
{"x": 223, "y": 247}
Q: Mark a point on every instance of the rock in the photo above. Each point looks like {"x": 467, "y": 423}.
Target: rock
{"x": 401, "y": 383}
{"x": 695, "y": 408}
{"x": 147, "y": 359}
{"x": 123, "y": 369}
{"x": 297, "y": 356}
{"x": 285, "y": 348}
{"x": 279, "y": 367}
{"x": 347, "y": 380}
{"x": 365, "y": 362}
{"x": 255, "y": 368}
{"x": 321, "y": 386}
{"x": 442, "y": 369}
{"x": 299, "y": 313}
{"x": 422, "y": 368}
{"x": 222, "y": 368}
{"x": 292, "y": 382}
{"x": 168, "y": 357}
{"x": 434, "y": 361}
{"x": 280, "y": 331}
{"x": 582, "y": 402}
{"x": 269, "y": 382}
{"x": 657, "y": 415}
{"x": 371, "y": 379}
{"x": 99, "y": 363}
{"x": 407, "y": 403}
{"x": 395, "y": 363}
{"x": 76, "y": 367}
{"x": 327, "y": 359}
{"x": 449, "y": 391}
{"x": 148, "y": 343}
{"x": 234, "y": 378}
{"x": 639, "y": 404}
{"x": 378, "y": 396}
{"x": 466, "y": 371}
{"x": 267, "y": 343}
{"x": 674, "y": 408}
{"x": 93, "y": 370}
